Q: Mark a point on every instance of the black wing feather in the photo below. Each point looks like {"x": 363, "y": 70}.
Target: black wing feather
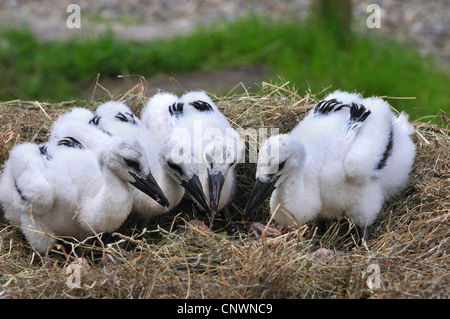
{"x": 387, "y": 151}
{"x": 358, "y": 113}
{"x": 176, "y": 109}
{"x": 202, "y": 106}
{"x": 19, "y": 191}
{"x": 326, "y": 106}
{"x": 95, "y": 120}
{"x": 44, "y": 152}
{"x": 70, "y": 142}
{"x": 127, "y": 117}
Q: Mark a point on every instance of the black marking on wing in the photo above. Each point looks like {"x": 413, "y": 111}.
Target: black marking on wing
{"x": 19, "y": 191}
{"x": 326, "y": 106}
{"x": 44, "y": 152}
{"x": 127, "y": 117}
{"x": 387, "y": 151}
{"x": 106, "y": 132}
{"x": 176, "y": 109}
{"x": 70, "y": 142}
{"x": 281, "y": 165}
{"x": 95, "y": 120}
{"x": 202, "y": 106}
{"x": 358, "y": 113}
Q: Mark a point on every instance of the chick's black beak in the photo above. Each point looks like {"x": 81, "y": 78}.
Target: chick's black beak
{"x": 194, "y": 187}
{"x": 260, "y": 192}
{"x": 149, "y": 186}
{"x": 215, "y": 182}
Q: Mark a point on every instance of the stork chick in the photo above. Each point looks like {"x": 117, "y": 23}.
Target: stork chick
{"x": 215, "y": 146}
{"x": 348, "y": 155}
{"x": 62, "y": 188}
{"x": 116, "y": 118}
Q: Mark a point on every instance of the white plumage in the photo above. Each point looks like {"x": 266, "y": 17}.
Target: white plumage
{"x": 91, "y": 131}
{"x": 41, "y": 187}
{"x": 221, "y": 146}
{"x": 211, "y": 146}
{"x": 156, "y": 117}
{"x": 116, "y": 118}
{"x": 348, "y": 155}
{"x": 177, "y": 151}
{"x": 79, "y": 123}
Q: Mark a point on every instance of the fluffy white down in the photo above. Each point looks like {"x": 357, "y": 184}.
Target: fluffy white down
{"x": 156, "y": 117}
{"x": 42, "y": 196}
{"x": 212, "y": 128}
{"x": 142, "y": 203}
{"x": 75, "y": 123}
{"x": 331, "y": 170}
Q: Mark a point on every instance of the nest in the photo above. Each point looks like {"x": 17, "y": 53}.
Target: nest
{"x": 176, "y": 256}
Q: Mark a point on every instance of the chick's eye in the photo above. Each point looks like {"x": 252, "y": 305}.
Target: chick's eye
{"x": 209, "y": 159}
{"x": 132, "y": 164}
{"x": 281, "y": 165}
{"x": 175, "y": 167}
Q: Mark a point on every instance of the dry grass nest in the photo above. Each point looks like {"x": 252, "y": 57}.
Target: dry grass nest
{"x": 174, "y": 257}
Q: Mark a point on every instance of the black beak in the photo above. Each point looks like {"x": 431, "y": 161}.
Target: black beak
{"x": 194, "y": 187}
{"x": 149, "y": 186}
{"x": 215, "y": 183}
{"x": 260, "y": 192}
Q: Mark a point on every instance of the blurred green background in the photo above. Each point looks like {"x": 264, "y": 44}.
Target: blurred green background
{"x": 325, "y": 47}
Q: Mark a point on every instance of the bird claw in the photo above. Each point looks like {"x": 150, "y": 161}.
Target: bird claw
{"x": 263, "y": 230}
{"x": 195, "y": 226}
{"x": 80, "y": 263}
{"x": 323, "y": 253}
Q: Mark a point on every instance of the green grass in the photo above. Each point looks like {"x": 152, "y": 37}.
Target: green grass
{"x": 307, "y": 57}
